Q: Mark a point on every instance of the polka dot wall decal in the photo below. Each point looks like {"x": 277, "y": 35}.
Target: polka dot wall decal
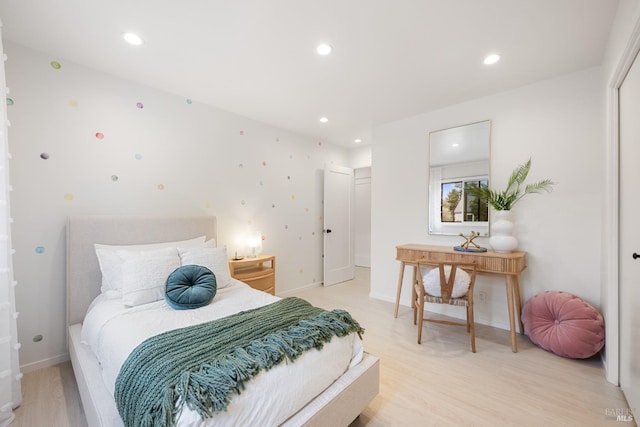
{"x": 68, "y": 197}
{"x": 293, "y": 197}
{"x": 160, "y": 186}
{"x": 306, "y": 209}
{"x": 207, "y": 205}
{"x": 189, "y": 101}
{"x": 9, "y": 101}
{"x": 138, "y": 156}
{"x": 264, "y": 163}
{"x": 73, "y": 102}
{"x": 55, "y": 65}
{"x": 240, "y": 165}
{"x": 39, "y": 249}
{"x": 44, "y": 156}
{"x": 291, "y": 156}
{"x": 277, "y": 139}
{"x": 242, "y": 202}
{"x": 241, "y": 132}
{"x": 286, "y": 227}
{"x": 288, "y": 176}
{"x": 114, "y": 178}
{"x": 140, "y": 105}
{"x": 99, "y": 135}
{"x": 261, "y": 183}
{"x": 320, "y": 143}
{"x": 273, "y": 205}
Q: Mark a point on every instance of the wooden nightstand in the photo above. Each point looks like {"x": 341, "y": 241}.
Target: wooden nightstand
{"x": 258, "y": 272}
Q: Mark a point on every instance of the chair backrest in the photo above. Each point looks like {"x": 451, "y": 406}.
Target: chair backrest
{"x": 447, "y": 282}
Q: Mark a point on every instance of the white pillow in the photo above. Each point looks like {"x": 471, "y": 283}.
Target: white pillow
{"x": 215, "y": 259}
{"x": 431, "y": 282}
{"x": 111, "y": 263}
{"x": 144, "y": 276}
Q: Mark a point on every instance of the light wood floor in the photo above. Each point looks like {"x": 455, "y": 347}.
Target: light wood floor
{"x": 50, "y": 398}
{"x": 438, "y": 383}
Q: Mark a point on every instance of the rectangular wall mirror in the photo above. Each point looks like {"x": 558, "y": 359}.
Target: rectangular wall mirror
{"x": 458, "y": 160}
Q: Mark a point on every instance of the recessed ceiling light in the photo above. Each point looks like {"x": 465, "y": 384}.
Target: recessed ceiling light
{"x": 132, "y": 38}
{"x": 323, "y": 120}
{"x": 455, "y": 144}
{"x": 491, "y": 59}
{"x": 324, "y": 49}
{"x": 357, "y": 141}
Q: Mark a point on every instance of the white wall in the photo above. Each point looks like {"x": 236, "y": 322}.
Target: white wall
{"x": 559, "y": 124}
{"x": 360, "y": 157}
{"x": 169, "y": 157}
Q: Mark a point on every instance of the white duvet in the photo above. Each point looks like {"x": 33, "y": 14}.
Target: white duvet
{"x": 113, "y": 331}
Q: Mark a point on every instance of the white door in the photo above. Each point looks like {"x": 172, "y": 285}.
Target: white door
{"x": 362, "y": 227}
{"x": 629, "y": 251}
{"x": 338, "y": 224}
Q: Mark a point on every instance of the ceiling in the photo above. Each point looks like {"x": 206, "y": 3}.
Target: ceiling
{"x": 257, "y": 58}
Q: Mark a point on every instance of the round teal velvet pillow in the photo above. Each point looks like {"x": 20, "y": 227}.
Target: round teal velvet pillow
{"x": 190, "y": 286}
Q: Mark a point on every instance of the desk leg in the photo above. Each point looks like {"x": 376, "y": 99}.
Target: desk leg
{"x": 414, "y": 281}
{"x": 395, "y": 312}
{"x": 512, "y": 322}
{"x": 518, "y": 299}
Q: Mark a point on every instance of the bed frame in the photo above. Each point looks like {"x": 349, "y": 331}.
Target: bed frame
{"x": 338, "y": 405}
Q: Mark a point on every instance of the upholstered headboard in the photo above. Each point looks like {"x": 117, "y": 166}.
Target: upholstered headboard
{"x": 83, "y": 272}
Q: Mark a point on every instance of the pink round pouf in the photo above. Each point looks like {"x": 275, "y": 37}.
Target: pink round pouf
{"x": 563, "y": 324}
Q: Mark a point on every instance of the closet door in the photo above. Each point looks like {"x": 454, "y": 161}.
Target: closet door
{"x": 629, "y": 250}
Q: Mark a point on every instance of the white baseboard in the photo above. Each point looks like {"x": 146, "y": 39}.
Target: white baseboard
{"x": 362, "y": 260}
{"x": 285, "y": 294}
{"x": 44, "y": 363}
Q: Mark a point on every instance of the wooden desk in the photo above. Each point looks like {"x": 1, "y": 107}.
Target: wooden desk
{"x": 509, "y": 265}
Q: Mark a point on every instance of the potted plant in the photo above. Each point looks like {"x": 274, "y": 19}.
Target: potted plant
{"x": 502, "y": 202}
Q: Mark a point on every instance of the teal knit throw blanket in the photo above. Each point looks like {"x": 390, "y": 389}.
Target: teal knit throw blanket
{"x": 202, "y": 366}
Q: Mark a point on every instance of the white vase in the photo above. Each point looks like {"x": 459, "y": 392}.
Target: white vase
{"x": 501, "y": 239}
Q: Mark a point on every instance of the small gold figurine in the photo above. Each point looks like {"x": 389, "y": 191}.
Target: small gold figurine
{"x": 469, "y": 240}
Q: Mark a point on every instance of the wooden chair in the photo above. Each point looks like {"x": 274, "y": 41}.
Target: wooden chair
{"x": 420, "y": 296}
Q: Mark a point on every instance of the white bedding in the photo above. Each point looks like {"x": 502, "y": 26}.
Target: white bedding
{"x": 112, "y": 331}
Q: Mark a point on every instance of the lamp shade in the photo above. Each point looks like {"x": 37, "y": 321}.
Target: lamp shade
{"x": 254, "y": 243}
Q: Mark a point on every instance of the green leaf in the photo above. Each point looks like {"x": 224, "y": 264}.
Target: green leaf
{"x": 504, "y": 200}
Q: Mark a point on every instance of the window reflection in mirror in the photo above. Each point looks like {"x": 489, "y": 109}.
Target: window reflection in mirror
{"x": 458, "y": 160}
{"x": 457, "y": 205}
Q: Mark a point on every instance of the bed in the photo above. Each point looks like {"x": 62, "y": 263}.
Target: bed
{"x": 337, "y": 404}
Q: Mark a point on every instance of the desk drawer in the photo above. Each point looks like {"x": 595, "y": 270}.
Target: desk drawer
{"x": 409, "y": 255}
{"x": 489, "y": 262}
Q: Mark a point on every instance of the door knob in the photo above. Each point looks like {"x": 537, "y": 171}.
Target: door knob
{"x": 635, "y": 256}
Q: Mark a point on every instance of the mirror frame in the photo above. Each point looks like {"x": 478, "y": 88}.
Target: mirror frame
{"x": 454, "y": 229}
